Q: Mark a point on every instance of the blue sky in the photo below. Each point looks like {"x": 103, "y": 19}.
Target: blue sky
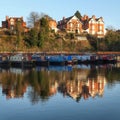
{"x": 108, "y": 9}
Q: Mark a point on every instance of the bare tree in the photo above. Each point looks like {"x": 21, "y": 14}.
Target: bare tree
{"x": 33, "y": 18}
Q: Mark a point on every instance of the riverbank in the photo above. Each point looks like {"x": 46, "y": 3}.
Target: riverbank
{"x": 63, "y": 52}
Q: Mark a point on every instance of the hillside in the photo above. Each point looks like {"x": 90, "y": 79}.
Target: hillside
{"x": 55, "y": 43}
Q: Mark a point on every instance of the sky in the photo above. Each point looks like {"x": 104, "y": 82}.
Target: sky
{"x": 57, "y": 9}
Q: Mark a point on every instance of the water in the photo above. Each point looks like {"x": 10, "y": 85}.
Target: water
{"x": 63, "y": 93}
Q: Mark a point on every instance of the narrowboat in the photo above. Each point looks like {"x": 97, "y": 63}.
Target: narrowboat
{"x": 4, "y": 61}
{"x": 84, "y": 59}
{"x": 40, "y": 60}
{"x": 56, "y": 60}
{"x": 21, "y": 60}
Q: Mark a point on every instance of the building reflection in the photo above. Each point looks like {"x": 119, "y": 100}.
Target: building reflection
{"x": 90, "y": 87}
{"x": 41, "y": 84}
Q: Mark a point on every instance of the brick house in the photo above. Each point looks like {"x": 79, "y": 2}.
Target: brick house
{"x": 71, "y": 25}
{"x": 53, "y": 25}
{"x": 93, "y": 25}
{"x": 10, "y": 23}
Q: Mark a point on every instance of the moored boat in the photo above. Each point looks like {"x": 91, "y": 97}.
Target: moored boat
{"x": 40, "y": 60}
{"x": 4, "y": 61}
{"x": 68, "y": 60}
{"x": 84, "y": 59}
{"x": 56, "y": 60}
{"x": 20, "y": 60}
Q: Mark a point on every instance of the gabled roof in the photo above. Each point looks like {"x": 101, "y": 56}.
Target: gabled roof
{"x": 66, "y": 20}
{"x": 96, "y": 19}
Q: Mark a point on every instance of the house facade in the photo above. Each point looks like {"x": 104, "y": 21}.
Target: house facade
{"x": 10, "y": 23}
{"x": 71, "y": 24}
{"x": 93, "y": 26}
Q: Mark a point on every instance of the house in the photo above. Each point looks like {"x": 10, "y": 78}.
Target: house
{"x": 93, "y": 26}
{"x": 53, "y": 25}
{"x": 10, "y": 23}
{"x": 71, "y": 25}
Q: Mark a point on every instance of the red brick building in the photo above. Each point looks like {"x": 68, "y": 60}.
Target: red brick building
{"x": 71, "y": 24}
{"x": 10, "y": 23}
{"x": 93, "y": 25}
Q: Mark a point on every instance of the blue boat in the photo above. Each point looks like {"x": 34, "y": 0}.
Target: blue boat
{"x": 56, "y": 60}
{"x": 40, "y": 60}
{"x": 68, "y": 60}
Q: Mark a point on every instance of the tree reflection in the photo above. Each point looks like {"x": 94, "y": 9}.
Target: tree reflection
{"x": 13, "y": 85}
{"x": 39, "y": 81}
{"x": 80, "y": 83}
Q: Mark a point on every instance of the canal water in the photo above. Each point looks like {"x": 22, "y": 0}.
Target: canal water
{"x": 80, "y": 92}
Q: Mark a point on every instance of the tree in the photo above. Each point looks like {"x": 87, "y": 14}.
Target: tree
{"x": 19, "y": 30}
{"x": 112, "y": 40}
{"x": 110, "y": 28}
{"x": 78, "y": 15}
{"x": 31, "y": 38}
{"x": 33, "y": 18}
{"x": 44, "y": 31}
{"x": 93, "y": 40}
{"x": 39, "y": 31}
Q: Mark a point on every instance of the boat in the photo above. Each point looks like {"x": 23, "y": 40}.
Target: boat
{"x": 84, "y": 59}
{"x": 4, "y": 61}
{"x": 21, "y": 60}
{"x": 40, "y": 60}
{"x": 56, "y": 60}
{"x": 68, "y": 60}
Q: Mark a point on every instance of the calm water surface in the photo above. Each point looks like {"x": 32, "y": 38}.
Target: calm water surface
{"x": 60, "y": 93}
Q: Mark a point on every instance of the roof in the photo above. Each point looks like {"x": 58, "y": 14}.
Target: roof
{"x": 66, "y": 20}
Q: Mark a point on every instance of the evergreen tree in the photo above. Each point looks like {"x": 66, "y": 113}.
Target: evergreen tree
{"x": 44, "y": 31}
{"x": 31, "y": 38}
{"x": 19, "y": 31}
{"x": 78, "y": 15}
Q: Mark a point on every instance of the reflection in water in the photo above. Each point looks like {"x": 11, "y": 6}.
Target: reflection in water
{"x": 83, "y": 88}
{"x": 74, "y": 81}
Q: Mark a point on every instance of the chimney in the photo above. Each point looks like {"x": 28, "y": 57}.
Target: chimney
{"x": 93, "y": 17}
{"x": 22, "y": 17}
{"x": 7, "y": 17}
{"x": 63, "y": 18}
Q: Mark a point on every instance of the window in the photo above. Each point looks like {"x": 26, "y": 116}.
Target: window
{"x": 70, "y": 24}
{"x": 100, "y": 28}
{"x": 12, "y": 21}
{"x": 93, "y": 27}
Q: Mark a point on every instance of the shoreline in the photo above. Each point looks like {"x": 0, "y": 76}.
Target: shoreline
{"x": 58, "y": 53}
